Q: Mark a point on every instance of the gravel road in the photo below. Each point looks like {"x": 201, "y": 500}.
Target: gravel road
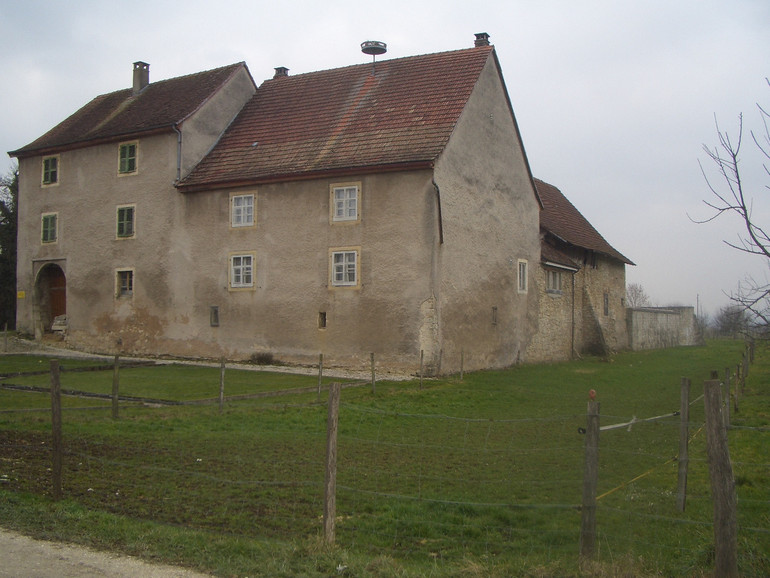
{"x": 23, "y": 557}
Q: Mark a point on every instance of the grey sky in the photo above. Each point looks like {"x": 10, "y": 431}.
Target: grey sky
{"x": 614, "y": 99}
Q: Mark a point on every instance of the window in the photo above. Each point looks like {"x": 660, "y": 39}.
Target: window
{"x": 345, "y": 201}
{"x": 214, "y": 316}
{"x": 523, "y": 281}
{"x": 125, "y": 283}
{"x": 127, "y": 158}
{"x": 553, "y": 281}
{"x": 125, "y": 222}
{"x": 322, "y": 320}
{"x": 606, "y": 303}
{"x": 50, "y": 227}
{"x": 50, "y": 170}
{"x": 242, "y": 210}
{"x": 344, "y": 268}
{"x": 494, "y": 315}
{"x": 241, "y": 271}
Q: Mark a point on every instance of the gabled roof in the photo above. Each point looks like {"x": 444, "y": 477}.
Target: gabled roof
{"x": 117, "y": 115}
{"x": 560, "y": 218}
{"x": 398, "y": 113}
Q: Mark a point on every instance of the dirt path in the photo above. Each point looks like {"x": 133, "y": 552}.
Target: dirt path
{"x": 23, "y": 557}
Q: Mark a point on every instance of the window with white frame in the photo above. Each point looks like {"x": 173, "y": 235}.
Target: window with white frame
{"x": 242, "y": 210}
{"x": 523, "y": 283}
{"x": 345, "y": 203}
{"x": 124, "y": 283}
{"x": 127, "y": 158}
{"x": 49, "y": 228}
{"x": 125, "y": 221}
{"x": 553, "y": 281}
{"x": 344, "y": 268}
{"x": 50, "y": 170}
{"x": 242, "y": 271}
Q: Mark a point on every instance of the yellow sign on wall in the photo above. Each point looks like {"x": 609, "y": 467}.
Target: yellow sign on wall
{"x": 21, "y": 294}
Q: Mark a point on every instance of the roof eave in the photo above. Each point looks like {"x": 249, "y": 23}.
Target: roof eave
{"x": 304, "y": 176}
{"x": 85, "y": 143}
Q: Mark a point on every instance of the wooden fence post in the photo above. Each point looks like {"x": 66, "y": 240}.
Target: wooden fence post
{"x": 56, "y": 430}
{"x": 722, "y": 485}
{"x": 590, "y": 480}
{"x": 5, "y": 336}
{"x": 330, "y": 485}
{"x": 221, "y": 384}
{"x": 115, "y": 386}
{"x": 684, "y": 437}
{"x": 320, "y": 372}
{"x": 374, "y": 381}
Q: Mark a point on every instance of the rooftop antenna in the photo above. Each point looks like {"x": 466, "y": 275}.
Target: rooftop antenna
{"x": 374, "y": 48}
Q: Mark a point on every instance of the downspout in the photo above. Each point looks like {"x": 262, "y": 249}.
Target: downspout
{"x": 440, "y": 219}
{"x": 573, "y": 316}
{"x": 178, "y": 152}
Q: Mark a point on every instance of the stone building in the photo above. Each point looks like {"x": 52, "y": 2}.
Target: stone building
{"x": 582, "y": 285}
{"x": 387, "y": 210}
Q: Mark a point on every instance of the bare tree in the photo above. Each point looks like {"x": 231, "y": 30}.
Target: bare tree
{"x": 636, "y": 296}
{"x": 732, "y": 196}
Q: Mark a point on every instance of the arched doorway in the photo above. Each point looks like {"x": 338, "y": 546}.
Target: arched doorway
{"x": 51, "y": 291}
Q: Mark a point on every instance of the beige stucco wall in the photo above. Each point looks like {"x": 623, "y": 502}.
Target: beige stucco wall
{"x": 661, "y": 327}
{"x": 205, "y": 126}
{"x": 490, "y": 222}
{"x": 291, "y": 241}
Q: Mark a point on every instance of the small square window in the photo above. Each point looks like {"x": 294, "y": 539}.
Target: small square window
{"x": 242, "y": 211}
{"x": 344, "y": 268}
{"x": 50, "y": 170}
{"x": 553, "y": 281}
{"x": 127, "y": 160}
{"x": 523, "y": 282}
{"x": 241, "y": 271}
{"x": 50, "y": 228}
{"x": 345, "y": 203}
{"x": 125, "y": 283}
{"x": 125, "y": 222}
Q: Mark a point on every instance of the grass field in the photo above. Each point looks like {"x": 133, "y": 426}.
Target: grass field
{"x": 476, "y": 477}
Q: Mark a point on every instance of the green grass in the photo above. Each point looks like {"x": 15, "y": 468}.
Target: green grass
{"x": 468, "y": 478}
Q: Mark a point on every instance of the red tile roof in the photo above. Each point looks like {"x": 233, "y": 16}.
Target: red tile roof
{"x": 560, "y": 218}
{"x": 121, "y": 114}
{"x": 345, "y": 120}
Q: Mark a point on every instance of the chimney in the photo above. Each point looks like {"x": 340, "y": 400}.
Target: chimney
{"x": 482, "y": 39}
{"x": 141, "y": 76}
{"x": 281, "y": 71}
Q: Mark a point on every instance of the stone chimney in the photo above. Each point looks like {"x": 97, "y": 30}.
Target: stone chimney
{"x": 482, "y": 39}
{"x": 281, "y": 71}
{"x": 141, "y": 76}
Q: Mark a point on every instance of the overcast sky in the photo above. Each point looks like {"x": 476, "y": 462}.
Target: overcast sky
{"x": 615, "y": 99}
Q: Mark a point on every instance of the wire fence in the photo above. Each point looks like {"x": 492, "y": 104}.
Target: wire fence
{"x": 408, "y": 483}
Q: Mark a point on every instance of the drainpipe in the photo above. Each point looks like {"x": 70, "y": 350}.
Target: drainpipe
{"x": 178, "y": 152}
{"x": 573, "y": 315}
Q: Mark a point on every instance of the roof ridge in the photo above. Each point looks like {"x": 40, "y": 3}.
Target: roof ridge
{"x": 386, "y": 61}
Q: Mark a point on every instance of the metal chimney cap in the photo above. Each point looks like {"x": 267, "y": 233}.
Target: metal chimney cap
{"x": 374, "y": 47}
